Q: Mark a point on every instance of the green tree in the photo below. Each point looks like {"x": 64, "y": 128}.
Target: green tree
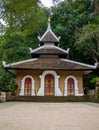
{"x": 24, "y": 21}
{"x": 67, "y": 18}
{"x": 23, "y": 15}
{"x": 4, "y": 79}
{"x": 88, "y": 42}
{"x": 88, "y": 36}
{"x": 74, "y": 21}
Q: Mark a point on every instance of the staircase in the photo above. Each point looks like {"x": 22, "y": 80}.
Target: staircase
{"x": 54, "y": 98}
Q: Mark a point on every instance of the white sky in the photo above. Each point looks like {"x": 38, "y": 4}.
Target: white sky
{"x": 47, "y": 3}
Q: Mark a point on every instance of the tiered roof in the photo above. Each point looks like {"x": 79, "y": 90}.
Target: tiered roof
{"x": 49, "y": 50}
{"x": 48, "y": 57}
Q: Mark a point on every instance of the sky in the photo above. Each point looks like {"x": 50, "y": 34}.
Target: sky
{"x": 47, "y": 3}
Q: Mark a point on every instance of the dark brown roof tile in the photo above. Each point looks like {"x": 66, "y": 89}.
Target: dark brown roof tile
{"x": 51, "y": 64}
{"x": 49, "y": 37}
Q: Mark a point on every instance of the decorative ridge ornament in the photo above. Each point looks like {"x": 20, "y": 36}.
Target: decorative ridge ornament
{"x": 49, "y": 20}
{"x": 49, "y": 26}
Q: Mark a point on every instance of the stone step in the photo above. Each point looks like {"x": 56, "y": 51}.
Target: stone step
{"x": 55, "y": 98}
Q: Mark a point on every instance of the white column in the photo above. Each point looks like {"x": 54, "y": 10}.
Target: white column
{"x": 65, "y": 90}
{"x": 57, "y": 89}
{"x": 41, "y": 89}
{"x": 22, "y": 88}
{"x": 76, "y": 88}
{"x": 33, "y": 92}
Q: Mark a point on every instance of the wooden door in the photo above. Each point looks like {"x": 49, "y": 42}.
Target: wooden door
{"x": 49, "y": 85}
{"x": 27, "y": 86}
{"x": 70, "y": 86}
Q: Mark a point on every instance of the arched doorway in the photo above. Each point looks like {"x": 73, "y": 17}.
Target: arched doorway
{"x": 27, "y": 86}
{"x": 70, "y": 86}
{"x": 49, "y": 85}
{"x": 57, "y": 91}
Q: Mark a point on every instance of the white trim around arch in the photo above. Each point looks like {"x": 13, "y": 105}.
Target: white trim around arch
{"x": 57, "y": 91}
{"x": 75, "y": 86}
{"x": 22, "y": 86}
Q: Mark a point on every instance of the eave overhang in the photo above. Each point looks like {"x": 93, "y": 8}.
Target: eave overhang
{"x": 49, "y": 64}
{"x": 49, "y": 49}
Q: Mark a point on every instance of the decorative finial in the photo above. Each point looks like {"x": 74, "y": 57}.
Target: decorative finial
{"x": 49, "y": 26}
{"x": 49, "y": 19}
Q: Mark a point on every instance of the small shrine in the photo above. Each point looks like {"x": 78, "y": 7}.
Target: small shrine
{"x": 49, "y": 72}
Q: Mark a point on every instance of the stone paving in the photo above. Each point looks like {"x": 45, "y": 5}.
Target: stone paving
{"x": 49, "y": 116}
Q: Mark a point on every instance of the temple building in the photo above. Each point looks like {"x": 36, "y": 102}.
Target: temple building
{"x": 49, "y": 72}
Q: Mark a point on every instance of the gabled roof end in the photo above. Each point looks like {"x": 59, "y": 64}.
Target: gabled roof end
{"x": 39, "y": 38}
{"x": 30, "y": 50}
{"x": 68, "y": 49}
{"x": 59, "y": 38}
{"x": 96, "y": 64}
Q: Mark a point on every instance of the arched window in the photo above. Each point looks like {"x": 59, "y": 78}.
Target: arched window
{"x": 49, "y": 84}
{"x": 27, "y": 86}
{"x": 70, "y": 86}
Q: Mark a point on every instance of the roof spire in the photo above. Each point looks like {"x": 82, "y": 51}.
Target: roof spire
{"x": 49, "y": 19}
{"x": 49, "y": 26}
{"x": 49, "y": 37}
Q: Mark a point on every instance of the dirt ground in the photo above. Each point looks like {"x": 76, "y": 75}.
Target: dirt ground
{"x": 49, "y": 116}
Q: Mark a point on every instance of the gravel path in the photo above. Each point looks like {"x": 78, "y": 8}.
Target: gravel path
{"x": 49, "y": 116}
